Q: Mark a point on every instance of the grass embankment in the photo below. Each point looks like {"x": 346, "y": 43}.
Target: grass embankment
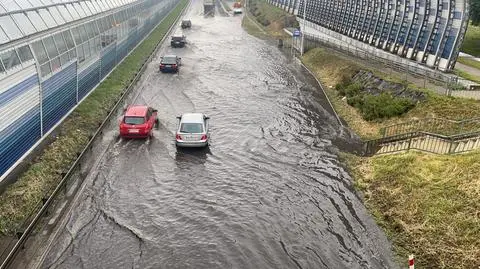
{"x": 332, "y": 70}
{"x": 225, "y": 5}
{"x": 471, "y": 43}
{"x": 469, "y": 62}
{"x": 21, "y": 198}
{"x": 269, "y": 20}
{"x": 427, "y": 204}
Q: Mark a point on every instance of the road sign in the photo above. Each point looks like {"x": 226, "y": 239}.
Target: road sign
{"x": 296, "y": 33}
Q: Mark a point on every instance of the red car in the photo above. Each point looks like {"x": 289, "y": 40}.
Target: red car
{"x": 138, "y": 121}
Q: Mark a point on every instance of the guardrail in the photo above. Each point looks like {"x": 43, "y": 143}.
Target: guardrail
{"x": 424, "y": 141}
{"x": 433, "y": 125}
{"x": 23, "y": 236}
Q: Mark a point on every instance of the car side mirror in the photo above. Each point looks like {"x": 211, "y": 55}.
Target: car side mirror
{"x": 179, "y": 58}
{"x": 155, "y": 110}
{"x": 207, "y": 118}
{"x": 179, "y": 117}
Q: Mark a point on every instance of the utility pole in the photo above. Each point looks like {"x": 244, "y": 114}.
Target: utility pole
{"x": 304, "y": 24}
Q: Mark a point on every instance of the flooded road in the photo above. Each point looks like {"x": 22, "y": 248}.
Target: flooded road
{"x": 268, "y": 193}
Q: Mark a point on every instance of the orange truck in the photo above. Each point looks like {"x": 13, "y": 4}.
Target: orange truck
{"x": 237, "y": 5}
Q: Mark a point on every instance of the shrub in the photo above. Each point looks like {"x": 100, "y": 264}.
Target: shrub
{"x": 383, "y": 106}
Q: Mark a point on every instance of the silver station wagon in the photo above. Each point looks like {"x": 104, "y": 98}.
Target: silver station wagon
{"x": 192, "y": 130}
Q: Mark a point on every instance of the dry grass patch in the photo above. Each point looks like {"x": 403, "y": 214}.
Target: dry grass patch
{"x": 427, "y": 204}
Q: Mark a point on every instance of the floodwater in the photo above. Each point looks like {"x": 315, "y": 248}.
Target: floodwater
{"x": 269, "y": 192}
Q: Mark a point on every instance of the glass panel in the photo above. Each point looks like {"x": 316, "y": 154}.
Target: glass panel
{"x": 10, "y": 28}
{"x": 10, "y": 59}
{"x": 86, "y": 50}
{"x": 73, "y": 12}
{"x": 24, "y": 24}
{"x": 93, "y": 48}
{"x": 72, "y": 53}
{"x": 64, "y": 58}
{"x": 86, "y": 9}
{"x": 24, "y": 4}
{"x": 36, "y": 20}
{"x": 25, "y": 53}
{"x": 55, "y": 64}
{"x": 47, "y": 18}
{"x": 2, "y": 69}
{"x": 50, "y": 46}
{"x": 45, "y": 69}
{"x": 3, "y": 37}
{"x": 39, "y": 51}
{"x": 99, "y": 7}
{"x": 66, "y": 15}
{"x": 61, "y": 46}
{"x": 56, "y": 15}
{"x": 79, "y": 9}
{"x": 68, "y": 38}
{"x": 90, "y": 33}
{"x": 83, "y": 33}
{"x": 10, "y": 5}
{"x": 36, "y": 3}
{"x": 95, "y": 28}
{"x": 76, "y": 35}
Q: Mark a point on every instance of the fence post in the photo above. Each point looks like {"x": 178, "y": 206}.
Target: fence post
{"x": 411, "y": 262}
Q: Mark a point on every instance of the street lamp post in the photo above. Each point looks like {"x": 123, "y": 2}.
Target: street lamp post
{"x": 304, "y": 24}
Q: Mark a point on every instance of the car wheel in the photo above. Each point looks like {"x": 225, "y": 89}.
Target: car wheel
{"x": 157, "y": 123}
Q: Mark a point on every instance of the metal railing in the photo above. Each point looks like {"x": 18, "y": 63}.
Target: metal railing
{"x": 424, "y": 141}
{"x": 44, "y": 205}
{"x": 444, "y": 83}
{"x": 433, "y": 125}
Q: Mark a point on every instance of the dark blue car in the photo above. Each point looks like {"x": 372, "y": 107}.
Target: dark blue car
{"x": 170, "y": 63}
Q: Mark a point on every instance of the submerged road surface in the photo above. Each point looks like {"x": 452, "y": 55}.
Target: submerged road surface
{"x": 268, "y": 193}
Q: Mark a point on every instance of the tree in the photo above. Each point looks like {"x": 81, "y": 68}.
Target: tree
{"x": 475, "y": 11}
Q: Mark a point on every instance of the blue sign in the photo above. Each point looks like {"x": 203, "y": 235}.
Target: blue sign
{"x": 296, "y": 33}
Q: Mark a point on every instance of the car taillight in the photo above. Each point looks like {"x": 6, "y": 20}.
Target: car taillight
{"x": 162, "y": 65}
{"x": 174, "y": 65}
{"x": 178, "y": 137}
{"x": 204, "y": 137}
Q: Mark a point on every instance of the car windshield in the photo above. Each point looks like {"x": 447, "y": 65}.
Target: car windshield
{"x": 169, "y": 60}
{"x": 177, "y": 38}
{"x": 191, "y": 128}
{"x": 134, "y": 120}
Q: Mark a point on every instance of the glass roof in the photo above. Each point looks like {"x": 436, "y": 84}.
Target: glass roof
{"x": 20, "y": 18}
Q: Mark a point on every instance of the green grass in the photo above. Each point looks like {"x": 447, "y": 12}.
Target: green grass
{"x": 269, "y": 18}
{"x": 225, "y": 5}
{"x": 427, "y": 204}
{"x": 467, "y": 75}
{"x": 471, "y": 43}
{"x": 20, "y": 199}
{"x": 469, "y": 61}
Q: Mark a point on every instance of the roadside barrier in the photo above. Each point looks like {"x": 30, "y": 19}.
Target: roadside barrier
{"x": 47, "y": 202}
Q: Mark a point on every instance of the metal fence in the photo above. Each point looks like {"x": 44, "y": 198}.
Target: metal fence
{"x": 440, "y": 82}
{"x": 424, "y": 141}
{"x": 433, "y": 125}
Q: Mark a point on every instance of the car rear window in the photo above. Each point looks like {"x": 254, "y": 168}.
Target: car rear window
{"x": 134, "y": 120}
{"x": 191, "y": 128}
{"x": 177, "y": 38}
{"x": 169, "y": 60}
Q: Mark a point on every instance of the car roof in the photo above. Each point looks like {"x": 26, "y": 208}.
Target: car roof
{"x": 136, "y": 110}
{"x": 192, "y": 117}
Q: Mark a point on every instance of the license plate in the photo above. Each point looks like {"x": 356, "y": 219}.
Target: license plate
{"x": 133, "y": 131}
{"x": 168, "y": 65}
{"x": 189, "y": 137}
